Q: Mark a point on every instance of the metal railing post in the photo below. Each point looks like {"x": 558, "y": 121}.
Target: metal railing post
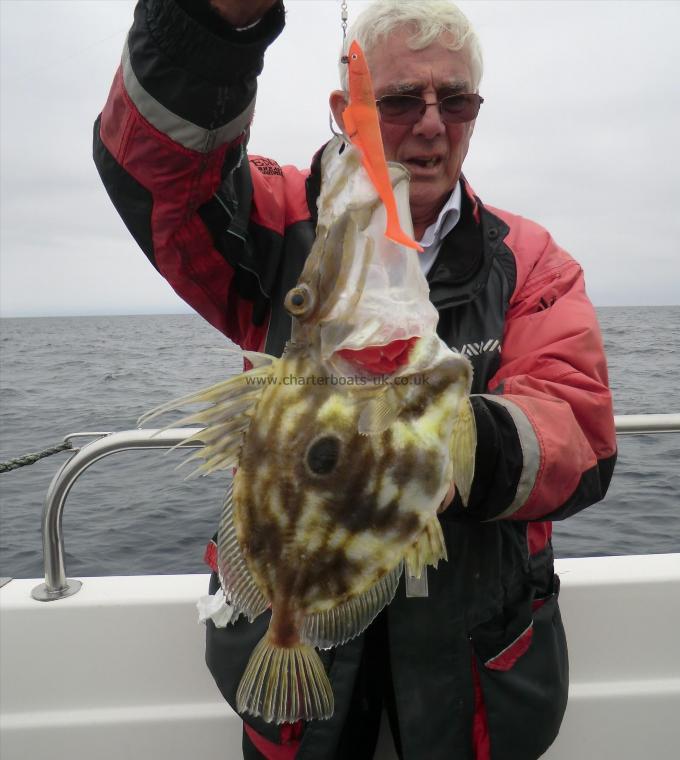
{"x": 637, "y": 424}
{"x": 58, "y": 586}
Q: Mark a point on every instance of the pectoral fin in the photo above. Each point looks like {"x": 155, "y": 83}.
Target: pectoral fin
{"x": 428, "y": 548}
{"x": 463, "y": 448}
{"x": 380, "y": 411}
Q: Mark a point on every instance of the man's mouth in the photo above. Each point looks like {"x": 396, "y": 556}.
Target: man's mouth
{"x": 424, "y": 162}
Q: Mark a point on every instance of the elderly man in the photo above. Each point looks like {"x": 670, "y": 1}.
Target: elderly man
{"x": 478, "y": 669}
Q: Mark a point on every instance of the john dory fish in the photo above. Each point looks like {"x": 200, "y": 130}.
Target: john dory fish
{"x": 340, "y": 470}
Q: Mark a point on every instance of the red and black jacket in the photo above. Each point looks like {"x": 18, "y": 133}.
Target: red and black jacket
{"x": 231, "y": 233}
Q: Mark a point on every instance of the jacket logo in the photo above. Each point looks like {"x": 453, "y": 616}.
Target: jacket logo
{"x": 476, "y": 349}
{"x": 267, "y": 166}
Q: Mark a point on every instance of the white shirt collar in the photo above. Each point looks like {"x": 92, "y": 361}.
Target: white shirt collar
{"x": 436, "y": 232}
{"x": 446, "y": 221}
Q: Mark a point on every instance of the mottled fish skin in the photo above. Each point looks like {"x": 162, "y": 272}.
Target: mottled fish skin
{"x": 327, "y": 511}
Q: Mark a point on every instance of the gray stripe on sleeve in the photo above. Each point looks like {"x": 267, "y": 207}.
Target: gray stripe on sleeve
{"x": 186, "y": 133}
{"x": 531, "y": 453}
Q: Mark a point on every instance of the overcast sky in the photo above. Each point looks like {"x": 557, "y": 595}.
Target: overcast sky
{"x": 579, "y": 131}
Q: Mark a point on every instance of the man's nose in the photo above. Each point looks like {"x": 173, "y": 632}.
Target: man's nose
{"x": 430, "y": 123}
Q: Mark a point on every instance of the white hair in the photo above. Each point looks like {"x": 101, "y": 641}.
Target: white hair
{"x": 430, "y": 19}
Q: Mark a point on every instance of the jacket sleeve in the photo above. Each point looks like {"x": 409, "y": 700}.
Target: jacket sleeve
{"x": 170, "y": 148}
{"x": 547, "y": 441}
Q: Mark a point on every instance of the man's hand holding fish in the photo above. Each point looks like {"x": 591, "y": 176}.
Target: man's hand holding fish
{"x": 426, "y": 387}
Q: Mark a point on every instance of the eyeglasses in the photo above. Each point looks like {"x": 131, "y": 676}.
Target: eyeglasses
{"x": 409, "y": 109}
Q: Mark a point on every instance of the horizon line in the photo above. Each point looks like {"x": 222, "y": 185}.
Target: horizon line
{"x": 190, "y": 312}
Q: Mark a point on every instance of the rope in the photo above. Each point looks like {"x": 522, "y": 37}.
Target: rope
{"x": 27, "y": 459}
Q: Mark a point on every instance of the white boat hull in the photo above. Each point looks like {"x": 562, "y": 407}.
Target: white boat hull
{"x": 117, "y": 670}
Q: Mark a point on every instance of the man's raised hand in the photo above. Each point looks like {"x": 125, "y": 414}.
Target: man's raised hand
{"x": 240, "y": 13}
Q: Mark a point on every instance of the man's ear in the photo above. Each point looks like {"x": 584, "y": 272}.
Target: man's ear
{"x": 338, "y": 103}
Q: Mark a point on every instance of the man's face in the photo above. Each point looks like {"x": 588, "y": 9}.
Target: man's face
{"x": 432, "y": 150}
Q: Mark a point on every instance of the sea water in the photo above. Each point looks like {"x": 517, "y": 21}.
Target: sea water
{"x": 133, "y": 513}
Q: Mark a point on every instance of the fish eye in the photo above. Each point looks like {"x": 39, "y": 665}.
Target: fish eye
{"x": 323, "y": 454}
{"x": 300, "y": 301}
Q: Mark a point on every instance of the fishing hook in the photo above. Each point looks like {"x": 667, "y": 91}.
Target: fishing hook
{"x": 331, "y": 124}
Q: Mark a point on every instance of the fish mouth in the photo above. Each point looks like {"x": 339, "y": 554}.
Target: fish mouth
{"x": 380, "y": 360}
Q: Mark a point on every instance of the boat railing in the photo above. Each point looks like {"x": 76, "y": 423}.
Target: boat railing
{"x": 58, "y": 586}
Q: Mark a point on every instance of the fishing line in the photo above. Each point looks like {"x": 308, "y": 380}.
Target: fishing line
{"x": 344, "y": 15}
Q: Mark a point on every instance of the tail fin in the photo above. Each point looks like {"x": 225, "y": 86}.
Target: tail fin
{"x": 395, "y": 233}
{"x": 284, "y": 685}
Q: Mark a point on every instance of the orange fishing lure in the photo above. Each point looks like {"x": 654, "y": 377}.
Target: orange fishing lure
{"x": 363, "y": 129}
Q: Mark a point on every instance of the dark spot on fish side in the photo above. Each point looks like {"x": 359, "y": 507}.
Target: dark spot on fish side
{"x": 322, "y": 456}
{"x": 355, "y": 487}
